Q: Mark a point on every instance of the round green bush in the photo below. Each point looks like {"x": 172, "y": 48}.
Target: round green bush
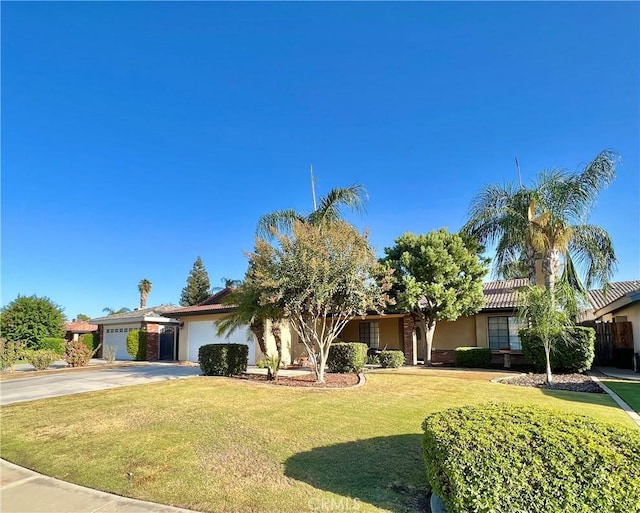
{"x": 57, "y": 345}
{"x": 77, "y": 354}
{"x": 223, "y": 359}
{"x": 137, "y": 344}
{"x": 475, "y": 357}
{"x": 507, "y": 458}
{"x": 41, "y": 359}
{"x": 391, "y": 359}
{"x": 347, "y": 357}
{"x": 89, "y": 339}
{"x": 571, "y": 352}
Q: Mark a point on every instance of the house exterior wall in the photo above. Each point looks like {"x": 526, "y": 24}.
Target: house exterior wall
{"x": 391, "y": 334}
{"x": 632, "y": 313}
{"x": 458, "y": 333}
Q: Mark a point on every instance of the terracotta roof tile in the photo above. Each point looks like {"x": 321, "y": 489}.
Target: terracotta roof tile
{"x": 81, "y": 326}
{"x": 502, "y": 294}
{"x": 617, "y": 289}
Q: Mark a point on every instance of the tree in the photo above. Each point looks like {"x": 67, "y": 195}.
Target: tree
{"x": 545, "y": 222}
{"x": 111, "y": 311}
{"x": 198, "y": 286}
{"x": 248, "y": 311}
{"x": 329, "y": 210}
{"x": 29, "y": 319}
{"x": 144, "y": 287}
{"x": 549, "y": 312}
{"x": 82, "y": 317}
{"x": 321, "y": 276}
{"x": 438, "y": 277}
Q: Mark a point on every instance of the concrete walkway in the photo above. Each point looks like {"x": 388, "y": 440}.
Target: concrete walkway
{"x": 612, "y": 372}
{"x": 25, "y": 491}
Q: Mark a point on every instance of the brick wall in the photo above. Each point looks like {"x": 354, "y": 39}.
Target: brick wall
{"x": 153, "y": 340}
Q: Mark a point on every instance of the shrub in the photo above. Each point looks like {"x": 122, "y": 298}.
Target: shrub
{"x": 10, "y": 353}
{"x": 393, "y": 359}
{"x": 137, "y": 344}
{"x": 504, "y": 458}
{"x": 572, "y": 352}
{"x": 77, "y": 354}
{"x": 473, "y": 357}
{"x": 57, "y": 345}
{"x": 373, "y": 359}
{"x": 90, "y": 340}
{"x": 41, "y": 358}
{"x": 347, "y": 357}
{"x": 109, "y": 353}
{"x": 223, "y": 359}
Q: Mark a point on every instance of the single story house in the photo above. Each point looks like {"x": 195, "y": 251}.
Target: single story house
{"x": 162, "y": 331}
{"x": 74, "y": 329}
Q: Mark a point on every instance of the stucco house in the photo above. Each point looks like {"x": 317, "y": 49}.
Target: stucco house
{"x": 162, "y": 331}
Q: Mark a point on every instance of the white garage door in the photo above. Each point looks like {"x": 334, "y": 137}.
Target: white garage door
{"x": 117, "y": 336}
{"x": 204, "y": 332}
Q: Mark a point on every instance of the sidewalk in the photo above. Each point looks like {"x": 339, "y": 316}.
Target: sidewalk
{"x": 612, "y": 372}
{"x": 25, "y": 491}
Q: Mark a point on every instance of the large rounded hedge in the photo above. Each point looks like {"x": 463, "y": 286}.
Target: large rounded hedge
{"x": 514, "y": 458}
{"x": 572, "y": 351}
{"x": 137, "y": 344}
{"x": 347, "y": 357}
{"x": 223, "y": 359}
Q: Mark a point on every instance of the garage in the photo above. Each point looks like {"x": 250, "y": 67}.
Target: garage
{"x": 204, "y": 332}
{"x": 117, "y": 336}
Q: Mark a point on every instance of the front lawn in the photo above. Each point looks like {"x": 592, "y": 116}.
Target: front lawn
{"x": 218, "y": 444}
{"x": 629, "y": 391}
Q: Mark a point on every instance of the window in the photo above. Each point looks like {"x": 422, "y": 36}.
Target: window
{"x": 503, "y": 333}
{"x": 369, "y": 333}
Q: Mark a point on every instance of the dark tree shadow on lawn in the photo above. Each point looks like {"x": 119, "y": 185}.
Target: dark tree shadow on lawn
{"x": 387, "y": 472}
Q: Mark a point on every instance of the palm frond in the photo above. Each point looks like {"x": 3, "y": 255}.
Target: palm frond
{"x": 280, "y": 220}
{"x": 353, "y": 198}
{"x": 592, "y": 250}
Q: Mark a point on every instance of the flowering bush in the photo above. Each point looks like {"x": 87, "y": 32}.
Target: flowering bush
{"x": 41, "y": 358}
{"x": 10, "y": 353}
{"x": 78, "y": 354}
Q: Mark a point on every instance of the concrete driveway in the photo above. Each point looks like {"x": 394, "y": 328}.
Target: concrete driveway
{"x": 57, "y": 384}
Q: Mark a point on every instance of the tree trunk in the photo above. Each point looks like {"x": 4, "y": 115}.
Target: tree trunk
{"x": 257, "y": 328}
{"x": 428, "y": 328}
{"x": 320, "y": 366}
{"x": 547, "y": 353}
{"x": 550, "y": 268}
{"x": 531, "y": 265}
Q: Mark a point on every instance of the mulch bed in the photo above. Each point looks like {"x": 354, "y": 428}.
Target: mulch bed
{"x": 571, "y": 382}
{"x": 307, "y": 380}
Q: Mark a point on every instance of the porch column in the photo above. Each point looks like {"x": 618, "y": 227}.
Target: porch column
{"x": 153, "y": 340}
{"x": 409, "y": 340}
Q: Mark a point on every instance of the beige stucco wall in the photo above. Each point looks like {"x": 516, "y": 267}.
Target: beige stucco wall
{"x": 390, "y": 331}
{"x": 449, "y": 335}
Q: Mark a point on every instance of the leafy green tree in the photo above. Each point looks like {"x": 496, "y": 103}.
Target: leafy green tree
{"x": 29, "y": 319}
{"x": 545, "y": 221}
{"x": 198, "y": 287}
{"x": 82, "y": 317}
{"x": 329, "y": 209}
{"x": 321, "y": 276}
{"x": 438, "y": 277}
{"x": 144, "y": 287}
{"x": 549, "y": 313}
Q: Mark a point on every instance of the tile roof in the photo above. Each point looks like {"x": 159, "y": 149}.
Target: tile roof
{"x": 81, "y": 326}
{"x": 502, "y": 294}
{"x": 154, "y": 311}
{"x": 601, "y": 298}
{"x": 200, "y": 309}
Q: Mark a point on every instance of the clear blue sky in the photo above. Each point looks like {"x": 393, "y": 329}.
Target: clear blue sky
{"x": 137, "y": 136}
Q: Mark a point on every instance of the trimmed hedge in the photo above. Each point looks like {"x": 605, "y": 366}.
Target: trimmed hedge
{"x": 57, "y": 345}
{"x": 137, "y": 344}
{"x": 90, "y": 340}
{"x": 223, "y": 359}
{"x": 477, "y": 357}
{"x": 515, "y": 458}
{"x": 574, "y": 355}
{"x": 347, "y": 357}
{"x": 391, "y": 359}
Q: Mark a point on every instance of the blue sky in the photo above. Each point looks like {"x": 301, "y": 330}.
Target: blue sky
{"x": 137, "y": 136}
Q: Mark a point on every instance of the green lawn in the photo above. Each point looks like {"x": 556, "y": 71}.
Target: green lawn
{"x": 218, "y": 444}
{"x": 629, "y": 391}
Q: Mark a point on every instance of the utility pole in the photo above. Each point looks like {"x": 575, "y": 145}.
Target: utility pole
{"x": 519, "y": 176}
{"x": 313, "y": 188}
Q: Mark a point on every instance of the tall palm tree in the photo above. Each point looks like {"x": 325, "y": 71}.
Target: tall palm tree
{"x": 248, "y": 311}
{"x": 546, "y": 222}
{"x": 144, "y": 287}
{"x": 329, "y": 209}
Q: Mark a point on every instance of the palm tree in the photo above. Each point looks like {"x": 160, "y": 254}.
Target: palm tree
{"x": 144, "y": 287}
{"x": 546, "y": 223}
{"x": 111, "y": 311}
{"x": 329, "y": 210}
{"x": 248, "y": 311}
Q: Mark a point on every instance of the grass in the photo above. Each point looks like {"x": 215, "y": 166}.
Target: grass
{"x": 218, "y": 444}
{"x": 629, "y": 391}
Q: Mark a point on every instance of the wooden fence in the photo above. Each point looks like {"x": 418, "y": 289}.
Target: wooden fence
{"x": 614, "y": 343}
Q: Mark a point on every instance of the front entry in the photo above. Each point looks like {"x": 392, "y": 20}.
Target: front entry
{"x": 167, "y": 344}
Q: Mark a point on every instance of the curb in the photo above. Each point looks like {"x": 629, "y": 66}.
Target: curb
{"x": 619, "y": 401}
{"x": 28, "y": 374}
{"x": 362, "y": 380}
